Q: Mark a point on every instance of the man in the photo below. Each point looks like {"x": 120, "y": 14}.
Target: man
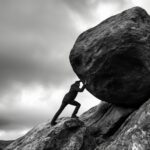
{"x": 69, "y": 98}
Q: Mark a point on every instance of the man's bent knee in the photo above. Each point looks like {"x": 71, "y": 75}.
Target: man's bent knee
{"x": 78, "y": 104}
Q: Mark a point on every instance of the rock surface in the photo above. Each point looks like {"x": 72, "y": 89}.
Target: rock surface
{"x": 4, "y": 144}
{"x": 114, "y": 58}
{"x": 134, "y": 134}
{"x": 103, "y": 127}
{"x": 69, "y": 134}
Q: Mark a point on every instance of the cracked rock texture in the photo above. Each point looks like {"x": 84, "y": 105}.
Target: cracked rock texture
{"x": 69, "y": 134}
{"x": 114, "y": 58}
{"x": 134, "y": 134}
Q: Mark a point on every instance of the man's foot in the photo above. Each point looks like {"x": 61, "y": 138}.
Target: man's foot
{"x": 53, "y": 123}
{"x": 74, "y": 116}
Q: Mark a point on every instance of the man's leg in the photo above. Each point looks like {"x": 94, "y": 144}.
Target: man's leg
{"x": 63, "y": 105}
{"x": 75, "y": 103}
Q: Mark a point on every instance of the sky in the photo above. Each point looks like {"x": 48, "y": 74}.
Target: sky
{"x": 35, "y": 42}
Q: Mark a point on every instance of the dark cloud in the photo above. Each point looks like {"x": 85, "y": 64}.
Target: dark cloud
{"x": 35, "y": 42}
{"x": 30, "y": 65}
{"x": 26, "y": 119}
{"x": 83, "y": 7}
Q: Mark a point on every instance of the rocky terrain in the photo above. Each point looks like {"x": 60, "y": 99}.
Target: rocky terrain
{"x": 113, "y": 59}
{"x": 3, "y": 144}
{"x": 103, "y": 127}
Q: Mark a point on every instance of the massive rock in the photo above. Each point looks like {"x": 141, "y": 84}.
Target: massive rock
{"x": 103, "y": 127}
{"x": 134, "y": 134}
{"x": 114, "y": 58}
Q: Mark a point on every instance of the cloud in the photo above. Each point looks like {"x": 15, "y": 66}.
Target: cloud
{"x": 35, "y": 42}
{"x": 17, "y": 119}
{"x": 28, "y": 107}
{"x": 31, "y": 107}
{"x": 13, "y": 134}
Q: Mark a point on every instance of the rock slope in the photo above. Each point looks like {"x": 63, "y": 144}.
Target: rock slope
{"x": 134, "y": 134}
{"x": 114, "y": 58}
{"x": 103, "y": 127}
{"x": 4, "y": 144}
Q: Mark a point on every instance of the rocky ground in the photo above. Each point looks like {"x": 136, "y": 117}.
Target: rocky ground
{"x": 114, "y": 130}
{"x": 3, "y": 144}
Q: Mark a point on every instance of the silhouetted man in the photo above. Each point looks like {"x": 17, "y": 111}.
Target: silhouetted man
{"x": 69, "y": 98}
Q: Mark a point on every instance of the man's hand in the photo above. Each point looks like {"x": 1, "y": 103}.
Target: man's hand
{"x": 84, "y": 83}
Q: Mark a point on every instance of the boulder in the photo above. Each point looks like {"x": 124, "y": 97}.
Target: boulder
{"x": 114, "y": 58}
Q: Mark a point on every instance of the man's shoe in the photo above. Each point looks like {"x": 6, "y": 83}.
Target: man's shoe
{"x": 53, "y": 123}
{"x": 74, "y": 116}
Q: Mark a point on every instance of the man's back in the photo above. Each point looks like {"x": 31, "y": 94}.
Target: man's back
{"x": 71, "y": 95}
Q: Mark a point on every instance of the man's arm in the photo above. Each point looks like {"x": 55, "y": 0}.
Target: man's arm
{"x": 83, "y": 87}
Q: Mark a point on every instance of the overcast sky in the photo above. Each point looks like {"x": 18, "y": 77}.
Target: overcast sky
{"x": 36, "y": 37}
